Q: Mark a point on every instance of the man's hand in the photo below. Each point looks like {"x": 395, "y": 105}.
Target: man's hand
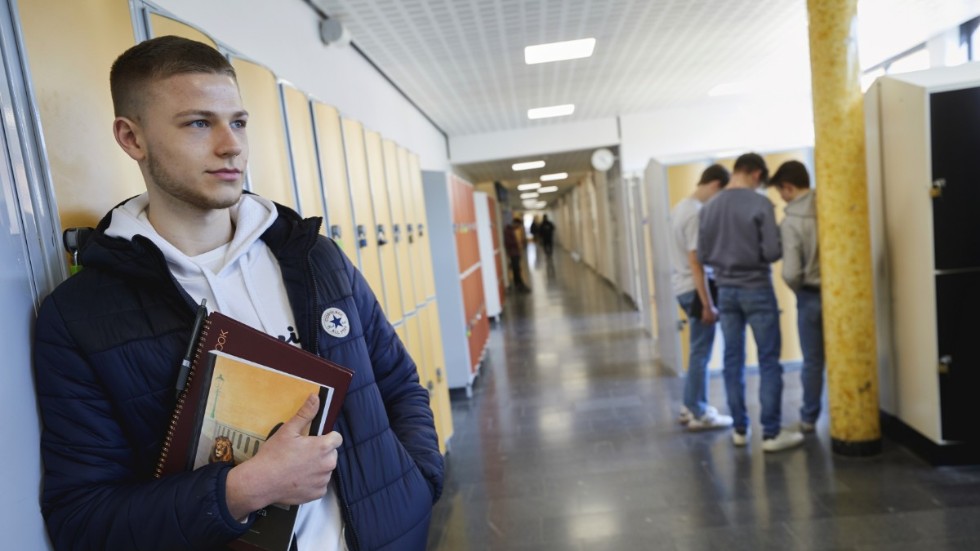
{"x": 709, "y": 315}
{"x": 290, "y": 468}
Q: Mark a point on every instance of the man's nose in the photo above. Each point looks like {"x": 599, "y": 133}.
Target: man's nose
{"x": 230, "y": 142}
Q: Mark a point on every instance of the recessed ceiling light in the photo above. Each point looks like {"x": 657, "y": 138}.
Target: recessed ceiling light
{"x": 529, "y": 195}
{"x": 555, "y": 176}
{"x": 559, "y": 51}
{"x": 548, "y": 189}
{"x": 530, "y": 165}
{"x": 525, "y": 187}
{"x": 551, "y": 111}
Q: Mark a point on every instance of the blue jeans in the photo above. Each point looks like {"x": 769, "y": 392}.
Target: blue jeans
{"x": 756, "y": 307}
{"x": 701, "y": 338}
{"x": 810, "y": 323}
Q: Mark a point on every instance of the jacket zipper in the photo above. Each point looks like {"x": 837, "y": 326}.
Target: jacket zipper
{"x": 315, "y": 333}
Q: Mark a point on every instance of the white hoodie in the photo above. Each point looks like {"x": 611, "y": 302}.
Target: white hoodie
{"x": 242, "y": 280}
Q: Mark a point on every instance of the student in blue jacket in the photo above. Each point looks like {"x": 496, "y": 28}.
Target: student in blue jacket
{"x": 109, "y": 343}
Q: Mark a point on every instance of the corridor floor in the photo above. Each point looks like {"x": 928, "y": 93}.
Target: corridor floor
{"x": 569, "y": 442}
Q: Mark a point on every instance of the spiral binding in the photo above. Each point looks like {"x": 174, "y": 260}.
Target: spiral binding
{"x": 179, "y": 408}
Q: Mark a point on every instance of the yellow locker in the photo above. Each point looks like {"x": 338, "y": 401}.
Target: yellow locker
{"x": 393, "y": 177}
{"x": 268, "y": 159}
{"x": 436, "y": 366}
{"x": 360, "y": 189}
{"x": 418, "y": 351}
{"x": 382, "y": 218}
{"x": 411, "y": 219}
{"x": 422, "y": 227}
{"x": 333, "y": 170}
{"x": 306, "y": 173}
{"x": 70, "y": 47}
{"x": 162, "y": 26}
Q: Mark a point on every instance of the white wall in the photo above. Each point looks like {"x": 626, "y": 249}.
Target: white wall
{"x": 284, "y": 36}
{"x": 552, "y": 138}
{"x": 723, "y": 127}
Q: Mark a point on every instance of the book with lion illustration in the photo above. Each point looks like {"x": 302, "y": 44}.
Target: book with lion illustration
{"x": 243, "y": 385}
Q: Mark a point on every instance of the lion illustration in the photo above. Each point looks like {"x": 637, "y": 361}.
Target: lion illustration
{"x": 223, "y": 451}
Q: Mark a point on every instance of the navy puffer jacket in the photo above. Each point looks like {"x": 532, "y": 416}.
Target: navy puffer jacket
{"x": 107, "y": 348}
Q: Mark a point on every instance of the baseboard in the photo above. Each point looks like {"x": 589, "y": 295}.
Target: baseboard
{"x": 958, "y": 453}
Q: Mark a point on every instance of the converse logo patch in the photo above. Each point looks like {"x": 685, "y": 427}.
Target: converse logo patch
{"x": 335, "y": 322}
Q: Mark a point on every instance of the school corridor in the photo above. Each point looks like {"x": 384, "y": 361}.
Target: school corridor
{"x": 570, "y": 442}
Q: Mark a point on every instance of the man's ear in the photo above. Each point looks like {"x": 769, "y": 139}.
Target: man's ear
{"x": 129, "y": 136}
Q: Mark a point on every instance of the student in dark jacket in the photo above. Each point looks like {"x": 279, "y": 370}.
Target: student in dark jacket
{"x": 109, "y": 343}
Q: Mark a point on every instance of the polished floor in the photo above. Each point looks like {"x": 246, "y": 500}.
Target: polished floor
{"x": 569, "y": 442}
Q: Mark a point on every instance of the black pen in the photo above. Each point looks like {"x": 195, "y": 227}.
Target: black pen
{"x": 185, "y": 366}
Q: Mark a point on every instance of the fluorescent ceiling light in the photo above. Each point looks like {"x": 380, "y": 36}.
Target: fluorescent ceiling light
{"x": 541, "y": 204}
{"x": 525, "y": 187}
{"x": 555, "y": 176}
{"x": 551, "y": 111}
{"x": 559, "y": 51}
{"x": 548, "y": 189}
{"x": 528, "y": 165}
{"x": 529, "y": 195}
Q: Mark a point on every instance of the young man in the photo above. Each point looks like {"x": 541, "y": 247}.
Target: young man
{"x": 514, "y": 245}
{"x": 109, "y": 343}
{"x": 547, "y": 233}
{"x": 692, "y": 289}
{"x": 801, "y": 272}
{"x": 739, "y": 239}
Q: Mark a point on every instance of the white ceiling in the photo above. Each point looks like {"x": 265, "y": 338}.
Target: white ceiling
{"x": 462, "y": 61}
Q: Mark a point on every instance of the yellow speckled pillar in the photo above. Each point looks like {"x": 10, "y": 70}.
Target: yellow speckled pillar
{"x": 844, "y": 231}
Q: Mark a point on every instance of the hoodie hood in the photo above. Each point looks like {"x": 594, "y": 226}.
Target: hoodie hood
{"x": 804, "y": 205}
{"x": 241, "y": 278}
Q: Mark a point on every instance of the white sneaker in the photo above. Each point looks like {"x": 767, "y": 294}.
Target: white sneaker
{"x": 787, "y": 438}
{"x": 740, "y": 439}
{"x": 686, "y": 416}
{"x": 807, "y": 428}
{"x": 710, "y": 420}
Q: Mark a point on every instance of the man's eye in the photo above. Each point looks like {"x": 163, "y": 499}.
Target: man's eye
{"x": 239, "y": 123}
{"x": 199, "y": 124}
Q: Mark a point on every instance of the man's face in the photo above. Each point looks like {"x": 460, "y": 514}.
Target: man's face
{"x": 195, "y": 148}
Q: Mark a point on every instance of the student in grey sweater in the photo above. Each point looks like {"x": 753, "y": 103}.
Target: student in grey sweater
{"x": 801, "y": 271}
{"x": 739, "y": 239}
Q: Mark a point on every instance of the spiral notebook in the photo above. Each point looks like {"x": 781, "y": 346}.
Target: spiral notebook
{"x": 242, "y": 385}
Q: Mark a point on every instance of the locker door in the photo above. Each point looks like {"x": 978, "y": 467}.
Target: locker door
{"x": 70, "y": 47}
{"x": 306, "y": 175}
{"x": 955, "y": 119}
{"x": 268, "y": 159}
{"x": 411, "y": 219}
{"x": 382, "y": 219}
{"x": 162, "y": 26}
{"x": 360, "y": 190}
{"x": 393, "y": 177}
{"x": 439, "y": 392}
{"x": 333, "y": 171}
{"x": 422, "y": 227}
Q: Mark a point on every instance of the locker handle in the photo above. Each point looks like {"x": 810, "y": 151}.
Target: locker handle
{"x": 396, "y": 232}
{"x": 361, "y": 236}
{"x": 439, "y": 374}
{"x": 430, "y": 387}
{"x": 335, "y": 232}
{"x": 421, "y": 227}
{"x": 381, "y": 235}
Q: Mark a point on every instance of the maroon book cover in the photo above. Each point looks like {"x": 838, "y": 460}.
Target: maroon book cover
{"x": 241, "y": 386}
